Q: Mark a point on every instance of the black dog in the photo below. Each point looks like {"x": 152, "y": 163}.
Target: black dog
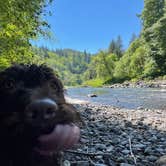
{"x": 35, "y": 120}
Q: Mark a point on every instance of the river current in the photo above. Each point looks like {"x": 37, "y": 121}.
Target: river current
{"x": 131, "y": 98}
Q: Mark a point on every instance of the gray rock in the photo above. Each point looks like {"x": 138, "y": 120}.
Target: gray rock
{"x": 120, "y": 159}
{"x": 111, "y": 163}
{"x": 153, "y": 139}
{"x": 162, "y": 139}
{"x": 124, "y": 142}
{"x": 148, "y": 150}
{"x": 125, "y": 151}
{"x": 82, "y": 163}
{"x": 141, "y": 146}
{"x": 151, "y": 158}
{"x": 125, "y": 164}
{"x": 128, "y": 124}
{"x": 110, "y": 148}
{"x": 84, "y": 140}
{"x": 92, "y": 95}
{"x": 160, "y": 150}
{"x": 100, "y": 146}
{"x": 140, "y": 108}
{"x": 115, "y": 141}
{"x": 140, "y": 123}
{"x": 99, "y": 157}
{"x": 66, "y": 163}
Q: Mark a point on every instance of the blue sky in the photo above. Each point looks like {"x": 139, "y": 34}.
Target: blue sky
{"x": 91, "y": 24}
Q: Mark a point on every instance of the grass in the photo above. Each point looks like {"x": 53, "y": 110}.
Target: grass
{"x": 94, "y": 83}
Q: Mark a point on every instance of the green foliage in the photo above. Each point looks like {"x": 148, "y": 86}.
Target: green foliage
{"x": 101, "y": 66}
{"x": 3, "y": 63}
{"x": 131, "y": 64}
{"x": 154, "y": 34}
{"x": 150, "y": 68}
{"x": 152, "y": 12}
{"x": 94, "y": 82}
{"x": 20, "y": 21}
{"x": 137, "y": 63}
{"x": 69, "y": 64}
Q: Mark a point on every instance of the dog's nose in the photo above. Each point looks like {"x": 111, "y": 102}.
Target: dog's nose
{"x": 41, "y": 109}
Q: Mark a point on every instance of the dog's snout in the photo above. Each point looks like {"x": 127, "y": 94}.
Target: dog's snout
{"x": 41, "y": 109}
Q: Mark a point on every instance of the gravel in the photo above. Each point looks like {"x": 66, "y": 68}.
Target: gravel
{"x": 119, "y": 137}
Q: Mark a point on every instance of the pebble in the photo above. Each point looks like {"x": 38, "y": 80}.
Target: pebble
{"x": 148, "y": 150}
{"x": 141, "y": 146}
{"x": 111, "y": 163}
{"x": 66, "y": 163}
{"x": 125, "y": 152}
{"x": 110, "y": 148}
{"x": 152, "y": 158}
{"x": 100, "y": 146}
{"x": 125, "y": 164}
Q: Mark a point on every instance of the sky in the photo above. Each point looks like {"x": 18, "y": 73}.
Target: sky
{"x": 91, "y": 24}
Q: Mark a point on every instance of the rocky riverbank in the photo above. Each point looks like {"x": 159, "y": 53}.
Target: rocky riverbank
{"x": 140, "y": 84}
{"x": 119, "y": 137}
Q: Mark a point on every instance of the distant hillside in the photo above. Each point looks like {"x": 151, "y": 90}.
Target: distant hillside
{"x": 69, "y": 64}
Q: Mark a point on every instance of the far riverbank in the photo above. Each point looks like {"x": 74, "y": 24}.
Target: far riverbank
{"x": 140, "y": 84}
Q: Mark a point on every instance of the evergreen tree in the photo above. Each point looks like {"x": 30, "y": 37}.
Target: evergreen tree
{"x": 154, "y": 25}
{"x": 119, "y": 47}
{"x": 116, "y": 47}
{"x": 112, "y": 47}
{"x": 152, "y": 12}
{"x": 133, "y": 38}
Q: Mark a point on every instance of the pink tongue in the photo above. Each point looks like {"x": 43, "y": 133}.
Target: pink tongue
{"x": 62, "y": 137}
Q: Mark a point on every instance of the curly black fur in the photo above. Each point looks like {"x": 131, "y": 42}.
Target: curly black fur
{"x": 19, "y": 86}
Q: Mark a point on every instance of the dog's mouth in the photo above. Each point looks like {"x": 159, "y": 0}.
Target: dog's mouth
{"x": 62, "y": 137}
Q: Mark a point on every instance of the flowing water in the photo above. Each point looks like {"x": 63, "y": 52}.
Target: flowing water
{"x": 130, "y": 98}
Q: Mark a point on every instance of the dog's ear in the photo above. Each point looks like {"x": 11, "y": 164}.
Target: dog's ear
{"x": 52, "y": 76}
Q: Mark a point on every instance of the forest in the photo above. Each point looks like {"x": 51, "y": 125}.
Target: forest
{"x": 144, "y": 59}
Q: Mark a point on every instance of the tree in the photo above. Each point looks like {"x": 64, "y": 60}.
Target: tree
{"x": 133, "y": 38}
{"x": 112, "y": 47}
{"x": 154, "y": 25}
{"x": 101, "y": 66}
{"x": 119, "y": 47}
{"x": 131, "y": 65}
{"x": 21, "y": 21}
{"x": 152, "y": 12}
{"x": 116, "y": 47}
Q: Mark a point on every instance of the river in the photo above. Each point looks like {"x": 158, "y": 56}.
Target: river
{"x": 130, "y": 98}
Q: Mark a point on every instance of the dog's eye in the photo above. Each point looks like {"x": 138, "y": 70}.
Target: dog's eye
{"x": 9, "y": 84}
